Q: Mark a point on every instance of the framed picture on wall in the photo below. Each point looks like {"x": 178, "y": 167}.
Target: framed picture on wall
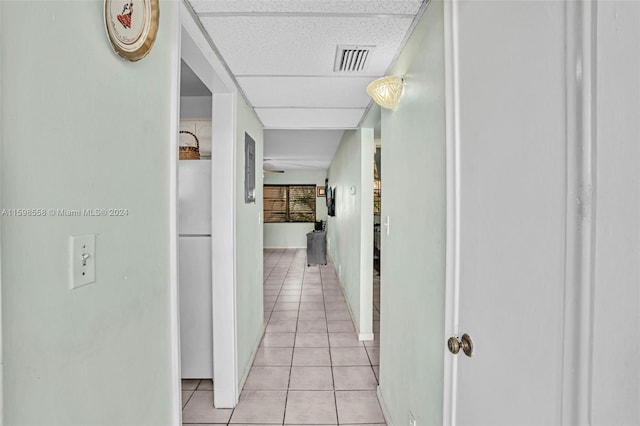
{"x": 321, "y": 191}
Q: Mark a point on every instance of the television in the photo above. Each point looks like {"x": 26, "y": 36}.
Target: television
{"x": 331, "y": 201}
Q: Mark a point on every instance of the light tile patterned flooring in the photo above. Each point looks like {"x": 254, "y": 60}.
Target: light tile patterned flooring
{"x": 310, "y": 368}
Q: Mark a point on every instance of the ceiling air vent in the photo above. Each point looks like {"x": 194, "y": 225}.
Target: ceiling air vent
{"x": 352, "y": 58}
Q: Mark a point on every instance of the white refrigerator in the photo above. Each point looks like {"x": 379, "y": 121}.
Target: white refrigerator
{"x": 194, "y": 270}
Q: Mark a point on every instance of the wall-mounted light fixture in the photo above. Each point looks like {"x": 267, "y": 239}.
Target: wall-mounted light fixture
{"x": 386, "y": 91}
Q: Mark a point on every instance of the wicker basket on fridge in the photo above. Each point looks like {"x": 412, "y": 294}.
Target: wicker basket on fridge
{"x": 190, "y": 152}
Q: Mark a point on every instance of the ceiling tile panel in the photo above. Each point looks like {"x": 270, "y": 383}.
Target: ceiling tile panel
{"x": 301, "y": 144}
{"x": 307, "y": 6}
{"x": 316, "y": 92}
{"x": 300, "y": 149}
{"x": 302, "y": 45}
{"x": 298, "y": 118}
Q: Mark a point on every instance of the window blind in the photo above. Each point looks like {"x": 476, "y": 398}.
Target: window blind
{"x": 289, "y": 203}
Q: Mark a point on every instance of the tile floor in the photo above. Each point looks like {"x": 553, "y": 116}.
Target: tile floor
{"x": 310, "y": 368}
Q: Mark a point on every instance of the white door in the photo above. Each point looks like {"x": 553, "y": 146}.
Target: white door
{"x": 510, "y": 103}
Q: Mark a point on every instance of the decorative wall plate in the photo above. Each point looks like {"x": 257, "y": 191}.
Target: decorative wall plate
{"x": 131, "y": 26}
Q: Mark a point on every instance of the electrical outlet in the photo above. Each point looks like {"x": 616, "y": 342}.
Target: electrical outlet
{"x": 412, "y": 419}
{"x": 83, "y": 260}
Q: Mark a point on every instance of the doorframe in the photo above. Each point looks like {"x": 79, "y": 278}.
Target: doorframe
{"x": 176, "y": 375}
{"x": 581, "y": 41}
{"x": 365, "y": 329}
{"x": 1, "y": 327}
{"x": 452, "y": 267}
{"x": 197, "y": 51}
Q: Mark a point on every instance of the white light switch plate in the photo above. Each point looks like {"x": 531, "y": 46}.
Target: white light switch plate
{"x": 83, "y": 260}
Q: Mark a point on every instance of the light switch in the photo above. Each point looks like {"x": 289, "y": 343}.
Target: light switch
{"x": 83, "y": 260}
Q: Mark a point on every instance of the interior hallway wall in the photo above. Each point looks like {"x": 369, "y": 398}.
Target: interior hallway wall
{"x": 350, "y": 232}
{"x": 81, "y": 128}
{"x": 413, "y": 252}
{"x": 294, "y": 235}
{"x": 249, "y": 243}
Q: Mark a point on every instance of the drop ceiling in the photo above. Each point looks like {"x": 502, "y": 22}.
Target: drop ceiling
{"x": 283, "y": 53}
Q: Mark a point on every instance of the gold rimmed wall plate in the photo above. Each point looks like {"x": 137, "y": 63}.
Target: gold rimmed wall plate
{"x": 132, "y": 26}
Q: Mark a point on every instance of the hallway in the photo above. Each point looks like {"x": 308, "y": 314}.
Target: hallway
{"x": 310, "y": 367}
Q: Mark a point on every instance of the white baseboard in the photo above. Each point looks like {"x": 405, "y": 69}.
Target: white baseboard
{"x": 383, "y": 406}
{"x": 365, "y": 336}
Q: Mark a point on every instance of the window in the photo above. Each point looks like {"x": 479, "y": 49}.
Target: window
{"x": 289, "y": 203}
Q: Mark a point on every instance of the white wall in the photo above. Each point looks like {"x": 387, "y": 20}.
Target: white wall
{"x": 81, "y": 128}
{"x": 294, "y": 235}
{"x": 195, "y": 107}
{"x": 350, "y": 231}
{"x": 413, "y": 254}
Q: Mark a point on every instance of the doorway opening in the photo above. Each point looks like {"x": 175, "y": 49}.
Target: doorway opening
{"x": 377, "y": 242}
{"x": 194, "y": 235}
{"x": 377, "y": 205}
{"x": 205, "y": 250}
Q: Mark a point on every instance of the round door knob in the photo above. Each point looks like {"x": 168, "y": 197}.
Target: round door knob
{"x": 465, "y": 343}
{"x": 454, "y": 345}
